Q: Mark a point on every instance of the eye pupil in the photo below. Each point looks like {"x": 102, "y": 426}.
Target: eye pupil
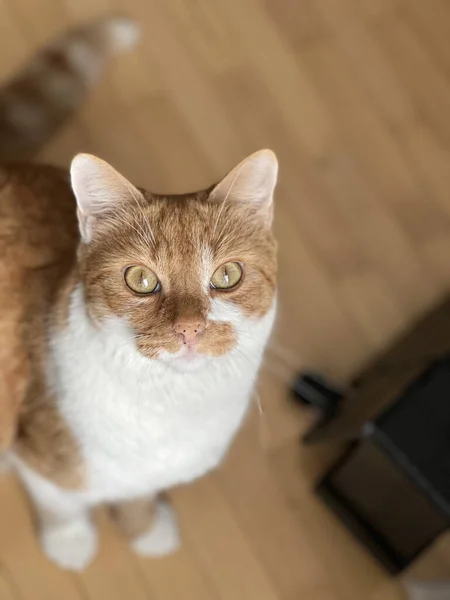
{"x": 141, "y": 280}
{"x": 227, "y": 276}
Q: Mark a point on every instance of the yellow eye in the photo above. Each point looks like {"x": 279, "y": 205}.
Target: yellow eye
{"x": 141, "y": 280}
{"x": 227, "y": 276}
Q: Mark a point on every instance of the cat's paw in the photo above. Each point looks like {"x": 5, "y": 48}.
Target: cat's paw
{"x": 71, "y": 545}
{"x": 163, "y": 537}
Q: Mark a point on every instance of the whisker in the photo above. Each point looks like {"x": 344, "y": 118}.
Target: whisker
{"x": 146, "y": 237}
{"x": 123, "y": 217}
{"x": 138, "y": 199}
{"x": 150, "y": 230}
{"x": 263, "y": 429}
{"x": 272, "y": 364}
{"x": 140, "y": 234}
{"x": 131, "y": 338}
{"x": 279, "y": 371}
{"x": 285, "y": 355}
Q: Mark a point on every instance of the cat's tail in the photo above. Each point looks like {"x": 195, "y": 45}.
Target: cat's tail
{"x": 37, "y": 101}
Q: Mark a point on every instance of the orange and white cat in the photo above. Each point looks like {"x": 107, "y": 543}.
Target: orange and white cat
{"x": 133, "y": 327}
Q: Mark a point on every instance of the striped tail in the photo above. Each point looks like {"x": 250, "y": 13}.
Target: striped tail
{"x": 49, "y": 89}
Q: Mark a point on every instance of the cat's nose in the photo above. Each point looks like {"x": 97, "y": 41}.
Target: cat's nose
{"x": 189, "y": 329}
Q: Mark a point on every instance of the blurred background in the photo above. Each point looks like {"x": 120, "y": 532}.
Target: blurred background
{"x": 354, "y": 97}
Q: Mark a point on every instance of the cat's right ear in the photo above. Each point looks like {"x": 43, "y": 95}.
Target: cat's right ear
{"x": 98, "y": 189}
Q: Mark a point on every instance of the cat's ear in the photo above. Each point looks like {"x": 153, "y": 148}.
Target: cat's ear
{"x": 98, "y": 189}
{"x": 252, "y": 181}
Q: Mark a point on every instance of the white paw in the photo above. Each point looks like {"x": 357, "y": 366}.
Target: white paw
{"x": 72, "y": 545}
{"x": 123, "y": 33}
{"x": 163, "y": 537}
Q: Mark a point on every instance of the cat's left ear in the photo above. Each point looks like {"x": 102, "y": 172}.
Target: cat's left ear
{"x": 252, "y": 181}
{"x": 99, "y": 190}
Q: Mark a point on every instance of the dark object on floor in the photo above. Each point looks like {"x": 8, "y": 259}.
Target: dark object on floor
{"x": 384, "y": 379}
{"x": 311, "y": 389}
{"x": 392, "y": 487}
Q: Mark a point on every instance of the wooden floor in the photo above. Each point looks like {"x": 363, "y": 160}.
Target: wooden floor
{"x": 354, "y": 96}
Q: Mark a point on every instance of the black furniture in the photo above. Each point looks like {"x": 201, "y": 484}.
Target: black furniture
{"x": 392, "y": 486}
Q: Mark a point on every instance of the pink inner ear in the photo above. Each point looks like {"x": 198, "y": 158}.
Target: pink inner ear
{"x": 97, "y": 187}
{"x": 253, "y": 180}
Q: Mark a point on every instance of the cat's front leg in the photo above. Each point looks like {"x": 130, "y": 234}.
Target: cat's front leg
{"x": 65, "y": 529}
{"x": 150, "y": 525}
{"x": 69, "y": 541}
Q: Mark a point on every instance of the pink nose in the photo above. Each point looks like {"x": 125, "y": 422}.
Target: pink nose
{"x": 189, "y": 330}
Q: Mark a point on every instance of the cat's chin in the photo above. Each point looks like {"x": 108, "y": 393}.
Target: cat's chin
{"x": 184, "y": 361}
{"x": 183, "y": 366}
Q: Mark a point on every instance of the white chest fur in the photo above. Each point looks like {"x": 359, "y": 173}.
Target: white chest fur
{"x": 141, "y": 425}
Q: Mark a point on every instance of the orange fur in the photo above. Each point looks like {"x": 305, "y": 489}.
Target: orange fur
{"x": 46, "y": 92}
{"x": 42, "y": 261}
{"x": 38, "y": 237}
{"x": 183, "y": 227}
{"x": 39, "y": 234}
{"x": 182, "y": 239}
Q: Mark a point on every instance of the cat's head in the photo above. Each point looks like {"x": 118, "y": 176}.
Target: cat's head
{"x": 185, "y": 272}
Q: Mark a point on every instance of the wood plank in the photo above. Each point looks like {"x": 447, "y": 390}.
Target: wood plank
{"x": 366, "y": 53}
{"x": 114, "y": 571}
{"x": 296, "y": 96}
{"x": 354, "y": 97}
{"x": 180, "y": 575}
{"x": 31, "y": 574}
{"x": 220, "y": 546}
{"x": 424, "y": 79}
{"x": 269, "y": 521}
{"x": 363, "y": 127}
{"x": 7, "y": 591}
{"x": 353, "y": 572}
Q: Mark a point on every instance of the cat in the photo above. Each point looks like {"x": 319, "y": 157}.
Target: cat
{"x": 133, "y": 327}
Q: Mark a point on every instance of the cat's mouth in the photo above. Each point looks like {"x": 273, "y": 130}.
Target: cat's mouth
{"x": 218, "y": 339}
{"x": 187, "y": 359}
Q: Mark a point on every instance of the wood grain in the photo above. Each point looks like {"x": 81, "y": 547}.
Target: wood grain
{"x": 354, "y": 96}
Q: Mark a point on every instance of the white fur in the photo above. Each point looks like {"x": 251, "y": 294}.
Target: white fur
{"x": 124, "y": 33}
{"x": 163, "y": 536}
{"x": 70, "y": 544}
{"x": 118, "y": 34}
{"x": 142, "y": 425}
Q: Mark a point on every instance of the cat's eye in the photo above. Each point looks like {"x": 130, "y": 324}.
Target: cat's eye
{"x": 227, "y": 276}
{"x": 141, "y": 280}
